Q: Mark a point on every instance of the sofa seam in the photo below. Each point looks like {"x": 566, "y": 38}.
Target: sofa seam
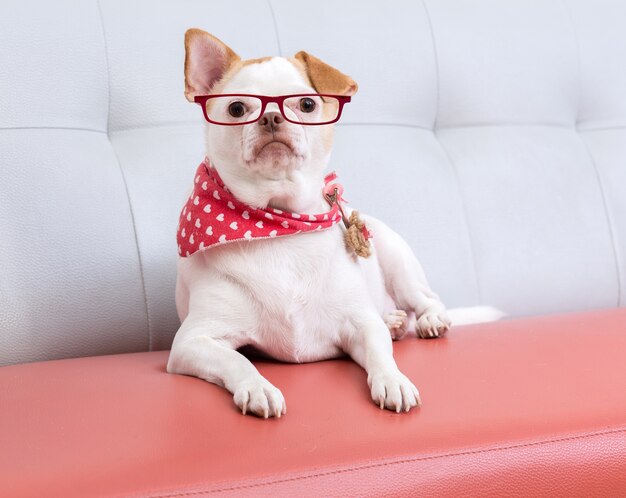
{"x": 594, "y": 166}
{"x": 273, "y": 14}
{"x": 340, "y": 124}
{"x": 601, "y": 128}
{"x": 453, "y": 127}
{"x": 609, "y": 219}
{"x": 463, "y": 203}
{"x": 397, "y": 462}
{"x": 69, "y": 128}
{"x": 122, "y": 174}
{"x": 578, "y": 61}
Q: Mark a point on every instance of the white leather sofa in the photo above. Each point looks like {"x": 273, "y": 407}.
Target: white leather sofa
{"x": 490, "y": 133}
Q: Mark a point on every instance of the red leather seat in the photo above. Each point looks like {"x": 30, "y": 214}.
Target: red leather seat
{"x": 532, "y": 407}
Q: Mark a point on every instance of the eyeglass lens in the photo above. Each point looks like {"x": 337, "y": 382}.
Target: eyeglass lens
{"x": 305, "y": 109}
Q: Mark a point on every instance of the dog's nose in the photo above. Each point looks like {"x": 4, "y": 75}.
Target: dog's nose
{"x": 271, "y": 120}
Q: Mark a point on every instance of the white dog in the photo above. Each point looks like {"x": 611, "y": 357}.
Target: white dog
{"x": 297, "y": 298}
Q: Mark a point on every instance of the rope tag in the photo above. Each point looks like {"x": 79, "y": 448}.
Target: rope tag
{"x": 357, "y": 235}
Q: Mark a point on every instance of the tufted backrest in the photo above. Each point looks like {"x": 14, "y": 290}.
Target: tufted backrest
{"x": 490, "y": 133}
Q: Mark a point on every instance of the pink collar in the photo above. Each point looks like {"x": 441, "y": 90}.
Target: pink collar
{"x": 213, "y": 216}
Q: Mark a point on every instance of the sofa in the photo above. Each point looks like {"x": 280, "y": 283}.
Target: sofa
{"x": 491, "y": 134}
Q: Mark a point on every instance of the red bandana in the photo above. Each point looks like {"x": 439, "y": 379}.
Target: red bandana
{"x": 213, "y": 216}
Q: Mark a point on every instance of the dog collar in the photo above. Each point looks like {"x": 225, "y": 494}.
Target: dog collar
{"x": 213, "y": 216}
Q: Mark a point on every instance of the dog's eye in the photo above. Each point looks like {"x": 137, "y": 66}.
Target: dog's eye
{"x": 307, "y": 104}
{"x": 236, "y": 109}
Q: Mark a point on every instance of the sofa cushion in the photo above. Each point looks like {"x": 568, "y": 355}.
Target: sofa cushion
{"x": 491, "y": 135}
{"x": 519, "y": 408}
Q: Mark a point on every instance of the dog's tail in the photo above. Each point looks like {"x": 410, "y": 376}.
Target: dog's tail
{"x": 474, "y": 314}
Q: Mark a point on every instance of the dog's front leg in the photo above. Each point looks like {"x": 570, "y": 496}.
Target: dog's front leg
{"x": 214, "y": 358}
{"x": 369, "y": 344}
{"x": 406, "y": 281}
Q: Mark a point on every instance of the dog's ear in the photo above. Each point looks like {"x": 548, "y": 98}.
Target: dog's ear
{"x": 325, "y": 78}
{"x": 206, "y": 61}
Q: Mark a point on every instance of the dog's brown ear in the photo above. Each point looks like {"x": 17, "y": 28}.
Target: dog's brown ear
{"x": 325, "y": 78}
{"x": 206, "y": 61}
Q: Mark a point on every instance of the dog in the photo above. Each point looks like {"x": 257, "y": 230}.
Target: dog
{"x": 299, "y": 296}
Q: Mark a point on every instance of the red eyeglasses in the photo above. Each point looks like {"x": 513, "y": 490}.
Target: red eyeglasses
{"x": 234, "y": 109}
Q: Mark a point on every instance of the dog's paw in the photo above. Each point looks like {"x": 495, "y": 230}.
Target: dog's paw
{"x": 396, "y": 323}
{"x": 260, "y": 398}
{"x": 394, "y": 391}
{"x": 432, "y": 324}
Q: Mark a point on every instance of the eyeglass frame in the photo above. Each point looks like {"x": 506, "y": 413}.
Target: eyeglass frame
{"x": 265, "y": 99}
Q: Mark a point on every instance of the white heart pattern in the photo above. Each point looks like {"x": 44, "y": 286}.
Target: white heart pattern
{"x": 194, "y": 230}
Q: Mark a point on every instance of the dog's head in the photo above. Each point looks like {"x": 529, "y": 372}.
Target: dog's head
{"x": 272, "y": 160}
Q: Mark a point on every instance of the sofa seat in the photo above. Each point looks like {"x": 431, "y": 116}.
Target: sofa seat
{"x": 524, "y": 407}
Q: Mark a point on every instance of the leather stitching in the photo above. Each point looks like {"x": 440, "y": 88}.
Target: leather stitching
{"x": 395, "y": 462}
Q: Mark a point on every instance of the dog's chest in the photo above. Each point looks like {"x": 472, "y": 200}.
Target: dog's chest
{"x": 298, "y": 290}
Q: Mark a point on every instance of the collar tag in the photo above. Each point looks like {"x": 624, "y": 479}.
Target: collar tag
{"x": 357, "y": 234}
